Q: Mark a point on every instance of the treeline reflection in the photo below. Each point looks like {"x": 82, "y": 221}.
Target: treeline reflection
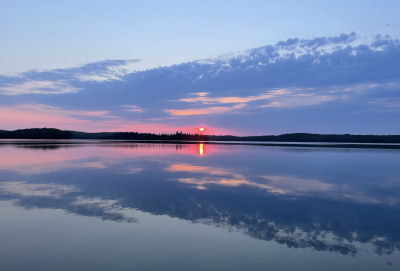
{"x": 197, "y": 147}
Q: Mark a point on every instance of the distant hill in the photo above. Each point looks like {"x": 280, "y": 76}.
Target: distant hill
{"x": 306, "y": 137}
{"x": 36, "y": 133}
{"x": 83, "y": 135}
{"x": 51, "y": 133}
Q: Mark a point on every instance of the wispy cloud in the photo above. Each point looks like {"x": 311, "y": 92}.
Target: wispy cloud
{"x": 202, "y": 97}
{"x": 133, "y": 108}
{"x": 29, "y": 115}
{"x": 60, "y": 81}
{"x": 203, "y": 111}
{"x": 300, "y": 100}
{"x": 281, "y": 98}
{"x": 38, "y": 87}
{"x": 52, "y": 110}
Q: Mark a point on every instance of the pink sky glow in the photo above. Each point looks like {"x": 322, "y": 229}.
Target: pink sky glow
{"x": 39, "y": 116}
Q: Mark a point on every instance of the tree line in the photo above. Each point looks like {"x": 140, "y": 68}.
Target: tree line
{"x": 51, "y": 133}
{"x": 307, "y": 137}
{"x": 36, "y": 133}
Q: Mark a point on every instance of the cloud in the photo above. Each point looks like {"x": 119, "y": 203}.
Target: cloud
{"x": 28, "y": 115}
{"x": 133, "y": 108}
{"x": 277, "y": 98}
{"x": 300, "y": 100}
{"x": 55, "y": 111}
{"x": 315, "y": 43}
{"x": 204, "y": 111}
{"x": 97, "y": 71}
{"x": 268, "y": 67}
{"x": 302, "y": 81}
{"x": 202, "y": 97}
{"x": 40, "y": 115}
{"x": 38, "y": 87}
{"x": 59, "y": 81}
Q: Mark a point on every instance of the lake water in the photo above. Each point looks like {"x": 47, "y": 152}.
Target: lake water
{"x": 152, "y": 206}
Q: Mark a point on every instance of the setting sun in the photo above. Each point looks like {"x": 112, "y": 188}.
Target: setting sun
{"x": 201, "y": 129}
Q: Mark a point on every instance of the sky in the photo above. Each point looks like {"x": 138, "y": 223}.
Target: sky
{"x": 233, "y": 67}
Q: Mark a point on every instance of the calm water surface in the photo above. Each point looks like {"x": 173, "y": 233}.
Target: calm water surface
{"x": 143, "y": 206}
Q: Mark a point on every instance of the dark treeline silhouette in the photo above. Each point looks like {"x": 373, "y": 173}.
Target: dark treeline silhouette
{"x": 306, "y": 137}
{"x": 36, "y": 133}
{"x": 51, "y": 133}
{"x": 83, "y": 135}
{"x": 144, "y": 136}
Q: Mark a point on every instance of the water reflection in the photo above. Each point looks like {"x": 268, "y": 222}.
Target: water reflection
{"x": 328, "y": 201}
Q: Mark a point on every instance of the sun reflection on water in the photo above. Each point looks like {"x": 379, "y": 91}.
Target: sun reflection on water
{"x": 201, "y": 149}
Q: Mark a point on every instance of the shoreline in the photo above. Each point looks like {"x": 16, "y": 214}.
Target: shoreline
{"x": 351, "y": 145}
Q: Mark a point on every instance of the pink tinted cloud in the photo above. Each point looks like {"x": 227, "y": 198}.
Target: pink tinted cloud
{"x": 34, "y": 115}
{"x": 282, "y": 98}
{"x": 203, "y": 111}
{"x": 39, "y": 115}
{"x": 202, "y": 97}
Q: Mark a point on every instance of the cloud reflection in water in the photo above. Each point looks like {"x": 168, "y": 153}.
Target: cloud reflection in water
{"x": 267, "y": 193}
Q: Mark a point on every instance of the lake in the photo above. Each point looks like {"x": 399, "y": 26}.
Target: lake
{"x": 88, "y": 205}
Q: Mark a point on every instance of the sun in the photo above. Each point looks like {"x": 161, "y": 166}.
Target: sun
{"x": 202, "y": 129}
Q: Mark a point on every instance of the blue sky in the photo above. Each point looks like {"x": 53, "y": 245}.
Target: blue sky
{"x": 235, "y": 67}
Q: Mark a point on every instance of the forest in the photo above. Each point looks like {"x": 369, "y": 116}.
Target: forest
{"x": 307, "y": 137}
{"x": 51, "y": 133}
{"x": 36, "y": 133}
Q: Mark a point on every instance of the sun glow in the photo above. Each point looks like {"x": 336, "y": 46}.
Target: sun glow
{"x": 201, "y": 129}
